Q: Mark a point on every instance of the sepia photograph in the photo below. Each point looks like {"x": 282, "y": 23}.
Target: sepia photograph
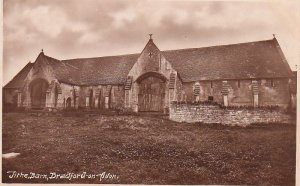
{"x": 152, "y": 92}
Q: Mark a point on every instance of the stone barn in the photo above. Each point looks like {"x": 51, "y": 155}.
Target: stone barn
{"x": 245, "y": 74}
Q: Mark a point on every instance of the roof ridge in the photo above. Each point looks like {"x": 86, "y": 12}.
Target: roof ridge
{"x": 52, "y": 58}
{"x": 213, "y": 46}
{"x": 120, "y": 55}
{"x": 100, "y": 57}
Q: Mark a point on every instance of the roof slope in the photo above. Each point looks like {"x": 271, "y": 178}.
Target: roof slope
{"x": 18, "y": 80}
{"x": 261, "y": 59}
{"x": 64, "y": 72}
{"x": 293, "y": 84}
{"x": 100, "y": 70}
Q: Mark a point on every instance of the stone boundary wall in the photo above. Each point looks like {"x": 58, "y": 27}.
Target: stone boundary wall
{"x": 213, "y": 113}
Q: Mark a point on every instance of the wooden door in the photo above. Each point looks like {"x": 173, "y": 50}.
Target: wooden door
{"x": 38, "y": 93}
{"x": 151, "y": 94}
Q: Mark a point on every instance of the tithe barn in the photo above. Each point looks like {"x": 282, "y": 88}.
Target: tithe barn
{"x": 246, "y": 74}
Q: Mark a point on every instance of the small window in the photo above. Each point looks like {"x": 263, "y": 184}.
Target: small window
{"x": 210, "y": 98}
{"x": 239, "y": 84}
{"x": 150, "y": 55}
{"x": 211, "y": 84}
{"x": 272, "y": 83}
{"x": 259, "y": 82}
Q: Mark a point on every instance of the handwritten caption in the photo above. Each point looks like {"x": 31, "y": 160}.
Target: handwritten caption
{"x": 55, "y": 176}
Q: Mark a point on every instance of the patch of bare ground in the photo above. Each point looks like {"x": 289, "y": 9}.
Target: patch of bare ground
{"x": 148, "y": 150}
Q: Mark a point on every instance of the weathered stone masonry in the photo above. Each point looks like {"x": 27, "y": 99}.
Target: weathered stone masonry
{"x": 252, "y": 74}
{"x": 214, "y": 113}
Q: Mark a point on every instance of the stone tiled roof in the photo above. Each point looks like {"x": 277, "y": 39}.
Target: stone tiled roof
{"x": 104, "y": 70}
{"x": 92, "y": 71}
{"x": 261, "y": 59}
{"x": 18, "y": 80}
{"x": 101, "y": 70}
{"x": 293, "y": 84}
{"x": 65, "y": 72}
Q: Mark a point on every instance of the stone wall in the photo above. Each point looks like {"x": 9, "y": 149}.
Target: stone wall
{"x": 240, "y": 92}
{"x": 214, "y": 113}
{"x": 68, "y": 92}
{"x": 10, "y": 99}
{"x": 10, "y": 96}
{"x": 205, "y": 90}
{"x": 278, "y": 94}
{"x": 117, "y": 97}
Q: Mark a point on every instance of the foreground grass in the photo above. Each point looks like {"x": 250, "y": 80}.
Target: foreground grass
{"x": 148, "y": 150}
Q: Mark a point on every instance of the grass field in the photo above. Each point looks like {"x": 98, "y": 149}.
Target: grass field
{"x": 148, "y": 150}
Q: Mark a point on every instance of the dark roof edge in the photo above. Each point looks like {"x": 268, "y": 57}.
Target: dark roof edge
{"x": 63, "y": 60}
{"x": 5, "y": 86}
{"x": 121, "y": 55}
{"x": 85, "y": 85}
{"x": 52, "y": 58}
{"x": 230, "y": 79}
{"x": 213, "y": 46}
{"x": 64, "y": 82}
{"x": 284, "y": 60}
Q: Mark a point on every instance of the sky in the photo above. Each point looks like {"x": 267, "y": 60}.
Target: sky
{"x": 67, "y": 29}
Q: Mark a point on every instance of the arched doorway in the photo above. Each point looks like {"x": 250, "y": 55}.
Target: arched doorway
{"x": 151, "y": 95}
{"x": 68, "y": 103}
{"x": 38, "y": 88}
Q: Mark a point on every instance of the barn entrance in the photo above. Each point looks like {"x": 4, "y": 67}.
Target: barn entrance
{"x": 68, "y": 103}
{"x": 38, "y": 88}
{"x": 151, "y": 95}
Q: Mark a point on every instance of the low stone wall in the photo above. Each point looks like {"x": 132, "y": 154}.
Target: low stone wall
{"x": 213, "y": 113}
